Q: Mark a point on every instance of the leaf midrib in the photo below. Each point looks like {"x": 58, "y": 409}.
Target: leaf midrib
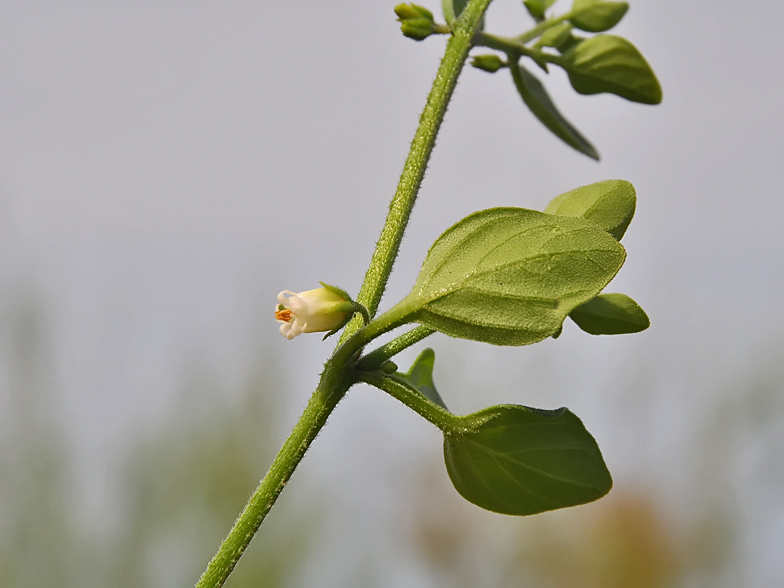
{"x": 439, "y": 293}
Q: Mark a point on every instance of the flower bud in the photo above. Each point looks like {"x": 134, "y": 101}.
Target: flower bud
{"x": 417, "y": 29}
{"x": 491, "y": 63}
{"x": 322, "y": 309}
{"x": 412, "y": 12}
{"x": 417, "y": 22}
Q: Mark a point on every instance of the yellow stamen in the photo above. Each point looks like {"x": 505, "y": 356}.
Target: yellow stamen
{"x": 283, "y": 315}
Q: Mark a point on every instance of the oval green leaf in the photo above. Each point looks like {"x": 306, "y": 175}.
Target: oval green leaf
{"x": 539, "y": 102}
{"x": 596, "y": 16}
{"x": 537, "y": 8}
{"x": 606, "y": 63}
{"x": 510, "y": 276}
{"x": 610, "y": 204}
{"x": 521, "y": 461}
{"x": 610, "y": 314}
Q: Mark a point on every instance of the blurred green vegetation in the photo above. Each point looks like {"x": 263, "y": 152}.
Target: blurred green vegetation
{"x": 184, "y": 481}
{"x": 182, "y": 487}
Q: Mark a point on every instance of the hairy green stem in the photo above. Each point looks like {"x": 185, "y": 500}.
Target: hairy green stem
{"x": 403, "y": 391}
{"x": 333, "y": 386}
{"x": 377, "y": 357}
{"x": 337, "y": 378}
{"x": 512, "y": 47}
{"x": 541, "y": 28}
{"x": 339, "y": 375}
{"x": 400, "y": 208}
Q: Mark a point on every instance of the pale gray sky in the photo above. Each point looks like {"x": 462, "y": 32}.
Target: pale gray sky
{"x": 167, "y": 167}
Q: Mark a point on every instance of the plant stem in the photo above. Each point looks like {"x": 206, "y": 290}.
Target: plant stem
{"x": 338, "y": 376}
{"x": 377, "y": 357}
{"x": 512, "y": 47}
{"x": 541, "y": 28}
{"x": 403, "y": 391}
{"x": 333, "y": 386}
{"x": 400, "y": 208}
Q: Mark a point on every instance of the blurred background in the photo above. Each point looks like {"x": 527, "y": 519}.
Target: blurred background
{"x": 167, "y": 167}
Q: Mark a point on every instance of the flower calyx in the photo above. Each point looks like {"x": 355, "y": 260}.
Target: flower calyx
{"x": 328, "y": 308}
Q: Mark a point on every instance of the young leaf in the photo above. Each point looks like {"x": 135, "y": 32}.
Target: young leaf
{"x": 452, "y": 9}
{"x": 537, "y": 8}
{"x": 521, "y": 461}
{"x": 610, "y": 204}
{"x": 538, "y": 101}
{"x": 596, "y": 16}
{"x": 421, "y": 376}
{"x": 610, "y": 314}
{"x": 510, "y": 276}
{"x": 606, "y": 63}
{"x": 556, "y": 36}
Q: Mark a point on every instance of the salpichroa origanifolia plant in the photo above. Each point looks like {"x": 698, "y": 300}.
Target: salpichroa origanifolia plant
{"x": 506, "y": 276}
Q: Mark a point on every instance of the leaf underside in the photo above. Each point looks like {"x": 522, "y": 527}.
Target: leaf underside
{"x": 522, "y": 461}
{"x": 535, "y": 96}
{"x": 510, "y": 276}
{"x": 610, "y": 314}
{"x": 610, "y": 204}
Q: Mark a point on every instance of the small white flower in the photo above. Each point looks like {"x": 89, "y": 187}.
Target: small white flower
{"x": 322, "y": 309}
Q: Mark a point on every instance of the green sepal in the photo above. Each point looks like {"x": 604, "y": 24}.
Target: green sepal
{"x": 610, "y": 204}
{"x": 535, "y": 96}
{"x": 350, "y": 307}
{"x": 610, "y": 314}
{"x": 556, "y": 36}
{"x": 606, "y": 63}
{"x": 421, "y": 377}
{"x": 596, "y": 16}
{"x": 537, "y": 8}
{"x": 339, "y": 291}
{"x": 349, "y": 310}
{"x": 510, "y": 276}
{"x": 521, "y": 461}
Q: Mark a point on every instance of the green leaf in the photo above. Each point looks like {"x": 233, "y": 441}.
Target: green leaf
{"x": 421, "y": 377}
{"x": 556, "y": 36}
{"x": 538, "y": 101}
{"x": 610, "y": 204}
{"x": 596, "y": 16}
{"x": 570, "y": 42}
{"x": 452, "y": 9}
{"x": 510, "y": 276}
{"x": 606, "y": 63}
{"x": 610, "y": 314}
{"x": 521, "y": 461}
{"x": 537, "y": 8}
